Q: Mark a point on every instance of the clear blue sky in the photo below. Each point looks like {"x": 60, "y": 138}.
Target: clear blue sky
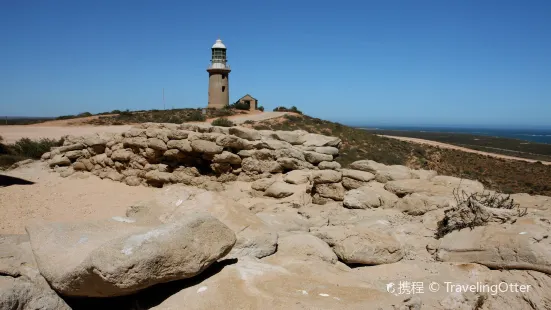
{"x": 474, "y": 62}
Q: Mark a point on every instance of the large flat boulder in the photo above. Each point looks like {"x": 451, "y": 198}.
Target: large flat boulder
{"x": 360, "y": 245}
{"x": 254, "y": 237}
{"x": 281, "y": 283}
{"x": 21, "y": 285}
{"x": 419, "y": 204}
{"x": 522, "y": 245}
{"x": 313, "y": 139}
{"x": 117, "y": 256}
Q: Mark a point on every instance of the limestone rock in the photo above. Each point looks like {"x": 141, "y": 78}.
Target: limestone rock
{"x": 182, "y": 145}
{"x": 358, "y": 175}
{"x": 208, "y": 147}
{"x": 121, "y": 155}
{"x": 419, "y": 204}
{"x": 283, "y": 284}
{"x": 305, "y": 246}
{"x": 329, "y": 150}
{"x": 234, "y": 142}
{"x": 316, "y": 158}
{"x": 275, "y": 144}
{"x": 280, "y": 190}
{"x": 333, "y": 191}
{"x": 394, "y": 172}
{"x": 444, "y": 187}
{"x": 262, "y": 184}
{"x": 329, "y": 165}
{"x": 76, "y": 154}
{"x": 93, "y": 259}
{"x": 297, "y": 177}
{"x": 349, "y": 183}
{"x": 369, "y": 197}
{"x": 312, "y": 139}
{"x": 523, "y": 245}
{"x": 360, "y": 245}
{"x": 366, "y": 165}
{"x": 115, "y": 176}
{"x": 79, "y": 166}
{"x": 177, "y": 134}
{"x": 254, "y": 238}
{"x": 290, "y": 153}
{"x": 467, "y": 185}
{"x": 137, "y": 142}
{"x": 245, "y": 133}
{"x": 133, "y": 181}
{"x": 67, "y": 172}
{"x": 261, "y": 166}
{"x": 284, "y": 221}
{"x": 291, "y": 137}
{"x": 157, "y": 176}
{"x": 59, "y": 160}
{"x": 46, "y": 156}
{"x": 227, "y": 157}
{"x": 326, "y": 176}
{"x": 245, "y": 153}
{"x": 293, "y": 163}
{"x": 21, "y": 285}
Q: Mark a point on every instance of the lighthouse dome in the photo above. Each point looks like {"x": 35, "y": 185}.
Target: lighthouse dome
{"x": 219, "y": 44}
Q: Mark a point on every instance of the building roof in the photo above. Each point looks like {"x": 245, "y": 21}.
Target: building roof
{"x": 249, "y": 96}
{"x": 219, "y": 44}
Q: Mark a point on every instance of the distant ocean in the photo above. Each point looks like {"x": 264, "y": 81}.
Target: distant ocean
{"x": 533, "y": 135}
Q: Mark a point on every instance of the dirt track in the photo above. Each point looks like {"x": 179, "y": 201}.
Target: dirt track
{"x": 459, "y": 148}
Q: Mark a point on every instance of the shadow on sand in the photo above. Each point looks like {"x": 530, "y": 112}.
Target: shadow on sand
{"x": 7, "y": 181}
{"x": 149, "y": 297}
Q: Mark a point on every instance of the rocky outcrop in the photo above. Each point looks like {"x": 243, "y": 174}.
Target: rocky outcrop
{"x": 160, "y": 151}
{"x": 119, "y": 256}
{"x": 254, "y": 237}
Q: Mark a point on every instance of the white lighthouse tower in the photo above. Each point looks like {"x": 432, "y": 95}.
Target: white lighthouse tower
{"x": 219, "y": 71}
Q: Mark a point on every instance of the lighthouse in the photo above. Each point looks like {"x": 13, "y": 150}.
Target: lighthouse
{"x": 219, "y": 72}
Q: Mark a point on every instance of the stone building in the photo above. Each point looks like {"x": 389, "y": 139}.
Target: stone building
{"x": 219, "y": 72}
{"x": 250, "y": 101}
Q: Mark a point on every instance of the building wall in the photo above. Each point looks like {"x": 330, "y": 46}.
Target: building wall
{"x": 254, "y": 102}
{"x": 219, "y": 98}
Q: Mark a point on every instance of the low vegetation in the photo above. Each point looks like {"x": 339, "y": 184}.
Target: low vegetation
{"x": 506, "y": 176}
{"x": 239, "y": 106}
{"x": 84, "y": 114}
{"x": 474, "y": 210}
{"x": 24, "y": 148}
{"x": 284, "y": 109}
{"x": 223, "y": 122}
{"x": 498, "y": 145}
{"x": 24, "y": 121}
{"x": 176, "y": 116}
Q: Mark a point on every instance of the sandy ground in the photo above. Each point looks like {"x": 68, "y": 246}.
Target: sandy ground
{"x": 16, "y": 132}
{"x": 53, "y": 198}
{"x": 59, "y": 128}
{"x": 459, "y": 148}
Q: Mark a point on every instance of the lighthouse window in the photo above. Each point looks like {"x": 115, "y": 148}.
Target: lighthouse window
{"x": 223, "y": 76}
{"x": 223, "y": 88}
